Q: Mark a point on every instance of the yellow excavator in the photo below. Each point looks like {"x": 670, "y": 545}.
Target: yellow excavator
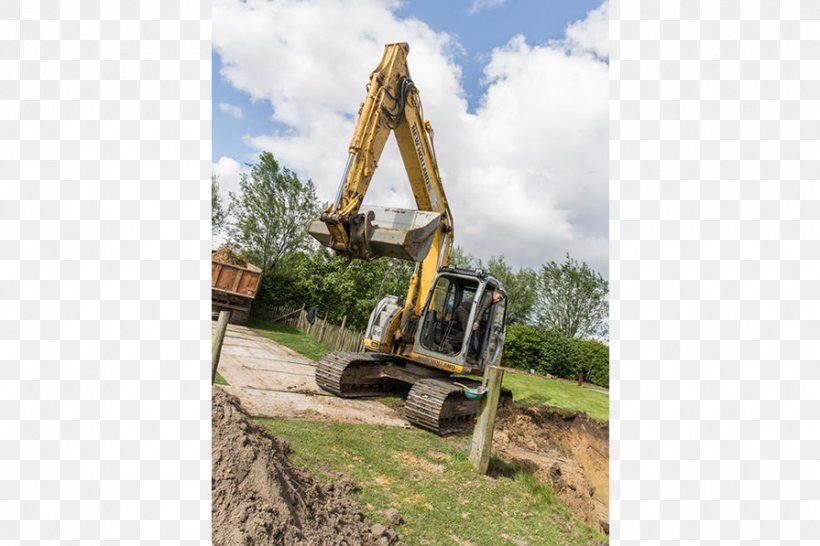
{"x": 452, "y": 320}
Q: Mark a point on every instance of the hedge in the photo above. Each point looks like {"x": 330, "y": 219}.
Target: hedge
{"x": 531, "y": 348}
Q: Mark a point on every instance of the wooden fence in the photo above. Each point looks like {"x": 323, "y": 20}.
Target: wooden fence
{"x": 280, "y": 313}
{"x": 337, "y": 336}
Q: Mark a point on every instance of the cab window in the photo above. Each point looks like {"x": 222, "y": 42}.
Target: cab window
{"x": 447, "y": 312}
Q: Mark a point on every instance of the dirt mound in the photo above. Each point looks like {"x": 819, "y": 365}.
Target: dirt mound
{"x": 260, "y": 498}
{"x": 566, "y": 449}
{"x": 227, "y": 255}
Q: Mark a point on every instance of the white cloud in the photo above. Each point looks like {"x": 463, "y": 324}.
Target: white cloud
{"x": 526, "y": 174}
{"x": 231, "y": 109}
{"x": 227, "y": 171}
{"x": 592, "y": 33}
{"x": 480, "y": 5}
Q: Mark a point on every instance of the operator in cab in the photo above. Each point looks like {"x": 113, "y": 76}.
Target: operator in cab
{"x": 463, "y": 313}
{"x": 487, "y": 300}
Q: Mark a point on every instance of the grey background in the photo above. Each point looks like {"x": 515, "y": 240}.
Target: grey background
{"x": 714, "y": 268}
{"x": 104, "y": 238}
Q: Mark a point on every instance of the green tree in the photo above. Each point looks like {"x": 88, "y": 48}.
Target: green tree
{"x": 217, "y": 210}
{"x": 459, "y": 258}
{"x": 320, "y": 279}
{"x": 271, "y": 212}
{"x": 520, "y": 286}
{"x": 572, "y": 299}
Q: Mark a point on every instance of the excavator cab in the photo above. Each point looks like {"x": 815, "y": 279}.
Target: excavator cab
{"x": 453, "y": 306}
{"x": 445, "y": 326}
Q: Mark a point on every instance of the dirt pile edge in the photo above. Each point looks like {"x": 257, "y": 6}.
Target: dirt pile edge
{"x": 259, "y": 497}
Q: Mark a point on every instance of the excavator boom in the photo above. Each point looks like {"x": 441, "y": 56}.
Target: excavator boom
{"x": 423, "y": 235}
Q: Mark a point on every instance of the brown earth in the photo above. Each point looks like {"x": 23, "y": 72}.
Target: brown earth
{"x": 569, "y": 450}
{"x": 259, "y": 497}
{"x": 226, "y": 255}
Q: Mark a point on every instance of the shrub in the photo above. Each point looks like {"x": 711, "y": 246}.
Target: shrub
{"x": 548, "y": 352}
{"x": 524, "y": 347}
{"x": 592, "y": 358}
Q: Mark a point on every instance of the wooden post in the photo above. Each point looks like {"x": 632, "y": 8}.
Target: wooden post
{"x": 340, "y": 337}
{"x": 219, "y": 337}
{"x": 485, "y": 425}
{"x": 580, "y": 378}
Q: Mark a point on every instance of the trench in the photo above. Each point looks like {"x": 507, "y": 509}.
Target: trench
{"x": 568, "y": 450}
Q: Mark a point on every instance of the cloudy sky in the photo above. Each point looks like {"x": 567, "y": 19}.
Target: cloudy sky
{"x": 516, "y": 91}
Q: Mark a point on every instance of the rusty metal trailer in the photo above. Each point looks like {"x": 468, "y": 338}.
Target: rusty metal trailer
{"x": 234, "y": 288}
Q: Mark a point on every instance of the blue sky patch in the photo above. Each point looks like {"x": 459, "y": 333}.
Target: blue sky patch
{"x": 477, "y": 32}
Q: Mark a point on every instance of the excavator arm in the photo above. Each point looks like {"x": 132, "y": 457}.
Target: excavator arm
{"x": 405, "y": 343}
{"x": 424, "y": 235}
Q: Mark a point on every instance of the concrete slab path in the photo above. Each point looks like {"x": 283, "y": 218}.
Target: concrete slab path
{"x": 272, "y": 380}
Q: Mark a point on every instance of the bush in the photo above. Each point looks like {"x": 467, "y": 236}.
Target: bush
{"x": 592, "y": 357}
{"x": 548, "y": 352}
{"x": 524, "y": 347}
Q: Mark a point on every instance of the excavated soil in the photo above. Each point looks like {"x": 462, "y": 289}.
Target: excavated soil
{"x": 227, "y": 255}
{"x": 259, "y": 497}
{"x": 566, "y": 449}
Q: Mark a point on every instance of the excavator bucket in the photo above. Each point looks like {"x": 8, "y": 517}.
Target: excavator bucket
{"x": 384, "y": 231}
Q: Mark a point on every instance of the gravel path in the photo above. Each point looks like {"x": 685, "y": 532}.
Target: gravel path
{"x": 274, "y": 381}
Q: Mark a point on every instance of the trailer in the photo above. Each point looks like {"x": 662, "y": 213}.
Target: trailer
{"x": 234, "y": 287}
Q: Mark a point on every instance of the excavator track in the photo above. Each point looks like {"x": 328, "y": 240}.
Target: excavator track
{"x": 353, "y": 375}
{"x": 440, "y": 406}
{"x": 434, "y": 404}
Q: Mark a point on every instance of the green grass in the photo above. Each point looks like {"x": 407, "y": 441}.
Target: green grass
{"x": 220, "y": 380}
{"x": 430, "y": 481}
{"x": 535, "y": 389}
{"x": 292, "y": 338}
